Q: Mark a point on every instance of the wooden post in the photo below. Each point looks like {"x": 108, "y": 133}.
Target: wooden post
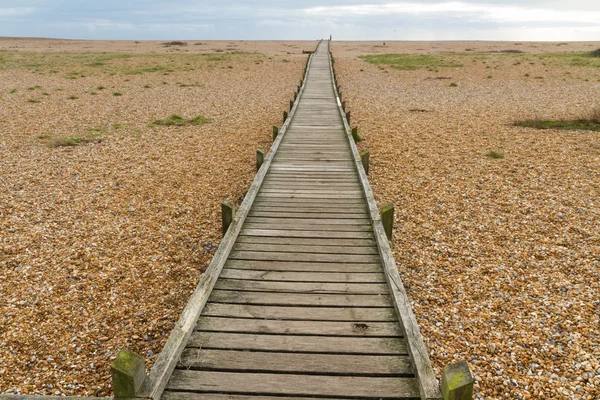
{"x": 387, "y": 219}
{"x": 285, "y": 115}
{"x": 344, "y": 105}
{"x": 457, "y": 382}
{"x": 260, "y": 158}
{"x": 291, "y": 104}
{"x": 355, "y": 135}
{"x": 227, "y": 215}
{"x": 348, "y": 116}
{"x": 364, "y": 157}
{"x": 275, "y": 132}
{"x": 298, "y": 90}
{"x": 128, "y": 374}
{"x": 295, "y": 95}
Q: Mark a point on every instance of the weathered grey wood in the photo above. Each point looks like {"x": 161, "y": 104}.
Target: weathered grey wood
{"x": 167, "y": 359}
{"x": 298, "y": 248}
{"x": 457, "y": 382}
{"x": 300, "y": 299}
{"x": 303, "y": 344}
{"x": 305, "y": 257}
{"x": 428, "y": 385}
{"x": 321, "y": 364}
{"x": 301, "y": 313}
{"x": 215, "y": 396}
{"x": 307, "y": 241}
{"x": 319, "y": 328}
{"x": 387, "y": 219}
{"x": 295, "y": 266}
{"x": 364, "y": 158}
{"x": 289, "y": 384}
{"x": 275, "y": 132}
{"x": 301, "y": 287}
{"x": 265, "y": 231}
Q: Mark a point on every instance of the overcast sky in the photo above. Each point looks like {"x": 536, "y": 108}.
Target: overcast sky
{"x": 554, "y": 20}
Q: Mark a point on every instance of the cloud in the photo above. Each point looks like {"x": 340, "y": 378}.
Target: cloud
{"x": 463, "y": 10}
{"x": 15, "y": 12}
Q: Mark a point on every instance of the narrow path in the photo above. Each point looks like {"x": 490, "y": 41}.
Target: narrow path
{"x": 302, "y": 307}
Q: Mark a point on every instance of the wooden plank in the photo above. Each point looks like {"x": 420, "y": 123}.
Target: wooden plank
{"x": 318, "y": 364}
{"x": 299, "y": 248}
{"x": 168, "y": 395}
{"x": 261, "y": 231}
{"x": 300, "y": 299}
{"x": 290, "y": 384}
{"x": 301, "y": 344}
{"x": 308, "y": 227}
{"x": 306, "y": 241}
{"x": 285, "y": 276}
{"x": 301, "y": 287}
{"x": 303, "y": 257}
{"x": 300, "y": 313}
{"x": 316, "y": 328}
{"x": 304, "y": 266}
{"x": 308, "y": 215}
{"x": 311, "y": 221}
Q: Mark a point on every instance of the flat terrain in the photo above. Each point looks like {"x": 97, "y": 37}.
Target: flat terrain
{"x": 107, "y": 219}
{"x": 496, "y": 231}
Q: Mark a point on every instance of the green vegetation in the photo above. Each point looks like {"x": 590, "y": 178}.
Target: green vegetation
{"x": 13, "y": 91}
{"x": 34, "y": 101}
{"x": 177, "y": 120}
{"x": 117, "y": 94}
{"x": 76, "y": 65}
{"x": 592, "y": 123}
{"x": 72, "y": 97}
{"x": 453, "y": 84}
{"x": 495, "y": 155}
{"x": 411, "y": 62}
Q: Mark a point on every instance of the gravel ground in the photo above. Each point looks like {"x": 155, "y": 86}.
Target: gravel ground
{"x": 102, "y": 243}
{"x": 500, "y": 256}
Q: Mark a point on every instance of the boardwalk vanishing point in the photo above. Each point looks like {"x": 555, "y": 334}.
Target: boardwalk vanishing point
{"x": 302, "y": 299}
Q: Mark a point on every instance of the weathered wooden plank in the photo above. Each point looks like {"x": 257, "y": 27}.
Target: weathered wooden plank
{"x": 290, "y": 384}
{"x": 299, "y": 248}
{"x": 299, "y": 228}
{"x": 306, "y": 241}
{"x": 300, "y": 299}
{"x": 295, "y": 343}
{"x": 319, "y": 364}
{"x": 308, "y": 215}
{"x": 168, "y": 395}
{"x": 303, "y": 266}
{"x": 300, "y": 313}
{"x": 303, "y": 257}
{"x": 296, "y": 222}
{"x": 294, "y": 276}
{"x": 264, "y": 231}
{"x": 301, "y": 287}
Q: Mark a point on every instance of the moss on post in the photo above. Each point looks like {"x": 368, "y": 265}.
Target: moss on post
{"x": 348, "y": 116}
{"x": 227, "y": 215}
{"x": 260, "y": 158}
{"x": 355, "y": 135}
{"x": 364, "y": 158}
{"x": 128, "y": 374}
{"x": 457, "y": 382}
{"x": 387, "y": 219}
{"x": 275, "y": 132}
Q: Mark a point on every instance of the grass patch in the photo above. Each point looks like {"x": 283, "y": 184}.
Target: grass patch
{"x": 72, "y": 97}
{"x": 410, "y": 62}
{"x": 177, "y": 120}
{"x": 35, "y": 101}
{"x": 13, "y": 91}
{"x": 453, "y": 84}
{"x": 117, "y": 94}
{"x": 592, "y": 123}
{"x": 100, "y": 88}
{"x": 495, "y": 155}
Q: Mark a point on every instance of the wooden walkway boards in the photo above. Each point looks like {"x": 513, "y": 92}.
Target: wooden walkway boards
{"x": 302, "y": 307}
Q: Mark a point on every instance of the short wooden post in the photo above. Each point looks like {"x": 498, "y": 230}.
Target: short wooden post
{"x": 295, "y": 95}
{"x": 457, "y": 382}
{"x": 348, "y": 116}
{"x": 344, "y": 105}
{"x": 260, "y": 158}
{"x": 355, "y": 135}
{"x": 275, "y": 132}
{"x": 227, "y": 215}
{"x": 298, "y": 91}
{"x": 285, "y": 115}
{"x": 364, "y": 157}
{"x": 291, "y": 104}
{"x": 128, "y": 374}
{"x": 387, "y": 219}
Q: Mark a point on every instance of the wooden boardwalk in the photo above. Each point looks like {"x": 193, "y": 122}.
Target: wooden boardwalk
{"x": 303, "y": 306}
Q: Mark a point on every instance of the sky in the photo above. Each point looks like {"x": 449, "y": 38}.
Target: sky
{"x": 524, "y": 20}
